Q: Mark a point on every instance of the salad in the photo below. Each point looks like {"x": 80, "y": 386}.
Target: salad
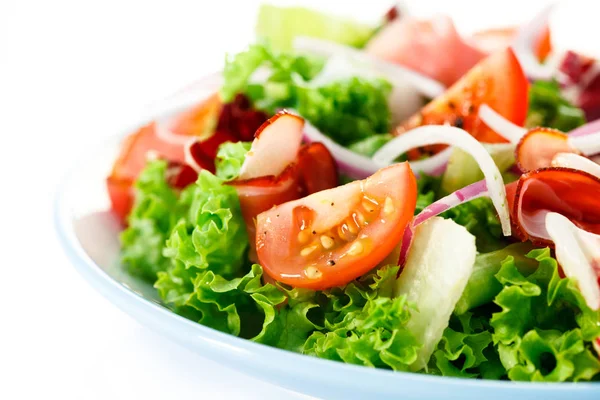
{"x": 350, "y": 192}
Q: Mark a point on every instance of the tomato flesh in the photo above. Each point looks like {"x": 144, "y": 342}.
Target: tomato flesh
{"x": 334, "y": 236}
{"x": 497, "y": 81}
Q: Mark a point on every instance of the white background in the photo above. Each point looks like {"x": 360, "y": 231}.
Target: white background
{"x": 72, "y": 72}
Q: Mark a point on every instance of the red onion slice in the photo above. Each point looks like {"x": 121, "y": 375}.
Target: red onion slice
{"x": 584, "y": 130}
{"x": 357, "y": 166}
{"x": 503, "y": 127}
{"x": 436, "y": 134}
{"x": 464, "y": 195}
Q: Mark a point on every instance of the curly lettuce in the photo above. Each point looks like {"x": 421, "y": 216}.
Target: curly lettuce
{"x": 153, "y": 216}
{"x": 283, "y": 73}
{"x": 544, "y": 328}
{"x": 466, "y": 350}
{"x": 230, "y": 158}
{"x": 364, "y": 325}
{"x": 348, "y": 110}
{"x": 549, "y": 108}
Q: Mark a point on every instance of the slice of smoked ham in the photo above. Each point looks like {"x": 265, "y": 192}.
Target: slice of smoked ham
{"x": 434, "y": 47}
{"x": 572, "y": 193}
{"x": 539, "y": 146}
{"x": 278, "y": 170}
{"x": 431, "y": 47}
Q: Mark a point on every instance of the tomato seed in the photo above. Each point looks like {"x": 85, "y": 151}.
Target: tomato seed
{"x": 388, "y": 206}
{"x": 355, "y": 249}
{"x": 313, "y": 272}
{"x": 327, "y": 242}
{"x": 308, "y": 250}
{"x": 303, "y": 236}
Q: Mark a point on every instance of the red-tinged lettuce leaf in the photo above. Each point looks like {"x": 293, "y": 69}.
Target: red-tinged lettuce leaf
{"x": 545, "y": 328}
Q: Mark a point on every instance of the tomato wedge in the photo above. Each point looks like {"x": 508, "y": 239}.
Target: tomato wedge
{"x": 334, "y": 236}
{"x": 131, "y": 160}
{"x": 498, "y": 81}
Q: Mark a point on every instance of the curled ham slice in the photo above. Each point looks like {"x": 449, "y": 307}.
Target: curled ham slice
{"x": 416, "y": 44}
{"x": 538, "y": 147}
{"x": 572, "y": 193}
{"x": 277, "y": 169}
{"x": 578, "y": 253}
{"x": 275, "y": 146}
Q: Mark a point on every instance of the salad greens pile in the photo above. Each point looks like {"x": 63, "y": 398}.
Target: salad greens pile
{"x": 351, "y": 111}
{"x": 548, "y": 107}
{"x": 517, "y": 319}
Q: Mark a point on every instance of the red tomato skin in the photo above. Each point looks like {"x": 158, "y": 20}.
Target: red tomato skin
{"x": 120, "y": 193}
{"x": 280, "y": 253}
{"x": 498, "y": 81}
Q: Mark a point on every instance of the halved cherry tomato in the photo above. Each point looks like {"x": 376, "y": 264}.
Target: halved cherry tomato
{"x": 131, "y": 160}
{"x": 334, "y": 236}
{"x": 234, "y": 120}
{"x": 498, "y": 81}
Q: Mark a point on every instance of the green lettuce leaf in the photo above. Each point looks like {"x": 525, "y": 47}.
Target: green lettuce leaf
{"x": 545, "y": 327}
{"x": 483, "y": 286}
{"x": 369, "y": 145}
{"x": 480, "y": 219}
{"x": 547, "y": 107}
{"x": 427, "y": 189}
{"x": 149, "y": 223}
{"x": 279, "y": 25}
{"x": 230, "y": 158}
{"x": 466, "y": 350}
{"x": 285, "y": 73}
{"x": 211, "y": 236}
{"x": 348, "y": 110}
{"x": 365, "y": 326}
